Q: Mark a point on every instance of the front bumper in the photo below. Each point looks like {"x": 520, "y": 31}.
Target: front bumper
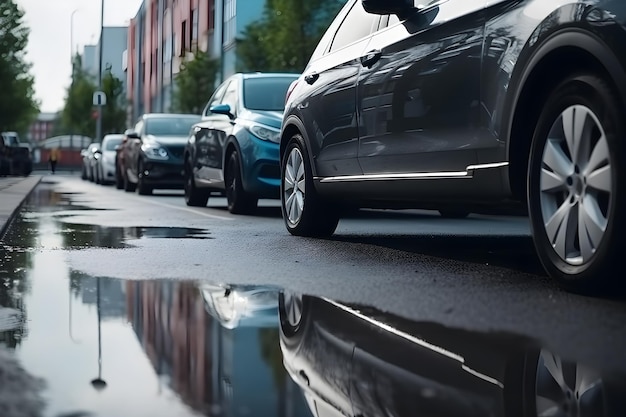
{"x": 163, "y": 174}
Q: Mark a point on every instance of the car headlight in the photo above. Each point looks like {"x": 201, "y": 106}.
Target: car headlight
{"x": 154, "y": 151}
{"x": 265, "y": 132}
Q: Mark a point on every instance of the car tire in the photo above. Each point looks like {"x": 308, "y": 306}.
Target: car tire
{"x": 129, "y": 187}
{"x": 239, "y": 200}
{"x": 575, "y": 175}
{"x": 305, "y": 213}
{"x": 142, "y": 187}
{"x": 293, "y": 315}
{"x": 83, "y": 174}
{"x": 194, "y": 197}
{"x": 119, "y": 181}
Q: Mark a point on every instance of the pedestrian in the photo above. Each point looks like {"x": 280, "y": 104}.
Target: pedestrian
{"x": 53, "y": 158}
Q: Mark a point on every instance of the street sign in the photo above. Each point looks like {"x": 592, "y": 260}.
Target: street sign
{"x": 99, "y": 98}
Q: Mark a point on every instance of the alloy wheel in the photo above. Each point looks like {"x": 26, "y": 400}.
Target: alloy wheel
{"x": 293, "y": 308}
{"x": 294, "y": 189}
{"x": 576, "y": 185}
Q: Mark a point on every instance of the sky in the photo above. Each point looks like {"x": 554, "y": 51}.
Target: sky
{"x": 52, "y": 30}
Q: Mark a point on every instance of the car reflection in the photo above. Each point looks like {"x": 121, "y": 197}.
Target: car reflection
{"x": 350, "y": 360}
{"x": 216, "y": 346}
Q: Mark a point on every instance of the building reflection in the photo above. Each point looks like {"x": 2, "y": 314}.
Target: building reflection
{"x": 217, "y": 366}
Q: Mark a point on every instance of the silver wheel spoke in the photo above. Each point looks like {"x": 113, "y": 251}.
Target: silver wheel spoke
{"x": 574, "y": 121}
{"x": 556, "y": 160}
{"x": 552, "y": 181}
{"x": 600, "y": 179}
{"x": 591, "y": 228}
{"x": 556, "y": 228}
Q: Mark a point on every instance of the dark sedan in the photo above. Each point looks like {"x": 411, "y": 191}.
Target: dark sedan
{"x": 235, "y": 148}
{"x": 152, "y": 155}
{"x": 466, "y": 106}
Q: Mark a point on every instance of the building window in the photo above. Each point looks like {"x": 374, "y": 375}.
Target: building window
{"x": 183, "y": 38}
{"x": 194, "y": 25}
{"x": 230, "y": 11}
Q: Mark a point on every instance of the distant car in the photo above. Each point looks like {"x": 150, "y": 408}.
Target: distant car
{"x": 153, "y": 152}
{"x": 15, "y": 155}
{"x": 105, "y": 164}
{"x": 235, "y": 148}
{"x": 88, "y": 155}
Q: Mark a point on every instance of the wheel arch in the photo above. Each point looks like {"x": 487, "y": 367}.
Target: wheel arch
{"x": 292, "y": 126}
{"x": 563, "y": 54}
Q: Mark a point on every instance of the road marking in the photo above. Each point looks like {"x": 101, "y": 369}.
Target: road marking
{"x": 212, "y": 216}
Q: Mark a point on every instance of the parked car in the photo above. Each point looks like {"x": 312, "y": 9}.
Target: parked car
{"x": 153, "y": 152}
{"x": 15, "y": 155}
{"x": 235, "y": 148}
{"x": 464, "y": 105}
{"x": 89, "y": 158}
{"x": 105, "y": 163}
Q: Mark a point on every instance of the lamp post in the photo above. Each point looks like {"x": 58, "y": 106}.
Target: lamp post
{"x": 73, "y": 63}
{"x": 99, "y": 121}
{"x": 98, "y": 383}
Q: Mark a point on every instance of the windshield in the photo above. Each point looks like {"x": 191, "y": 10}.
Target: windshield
{"x": 111, "y": 143}
{"x": 170, "y": 126}
{"x": 266, "y": 93}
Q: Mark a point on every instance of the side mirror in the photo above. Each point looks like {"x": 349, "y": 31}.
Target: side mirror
{"x": 222, "y": 109}
{"x": 132, "y": 135}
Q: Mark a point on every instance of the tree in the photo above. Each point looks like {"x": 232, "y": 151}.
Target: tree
{"x": 18, "y": 107}
{"x": 114, "y": 112}
{"x": 195, "y": 83}
{"x": 284, "y": 39}
{"x": 77, "y": 115}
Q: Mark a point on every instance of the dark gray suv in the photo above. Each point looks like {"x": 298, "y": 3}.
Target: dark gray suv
{"x": 463, "y": 106}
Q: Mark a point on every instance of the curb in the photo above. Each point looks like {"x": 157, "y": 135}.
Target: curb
{"x": 12, "y": 197}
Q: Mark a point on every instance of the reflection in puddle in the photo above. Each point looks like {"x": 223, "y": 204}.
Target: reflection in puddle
{"x": 108, "y": 347}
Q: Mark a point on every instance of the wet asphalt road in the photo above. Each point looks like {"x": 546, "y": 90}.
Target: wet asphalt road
{"x": 479, "y": 273}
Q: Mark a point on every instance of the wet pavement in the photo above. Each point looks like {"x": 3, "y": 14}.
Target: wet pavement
{"x": 98, "y": 346}
{"x": 108, "y": 347}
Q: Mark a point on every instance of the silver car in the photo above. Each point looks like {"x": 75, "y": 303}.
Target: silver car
{"x": 105, "y": 164}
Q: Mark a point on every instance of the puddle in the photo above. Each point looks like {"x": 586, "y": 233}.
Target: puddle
{"x": 74, "y": 344}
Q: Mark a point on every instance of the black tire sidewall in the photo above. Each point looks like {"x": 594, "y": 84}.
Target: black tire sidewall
{"x": 592, "y": 92}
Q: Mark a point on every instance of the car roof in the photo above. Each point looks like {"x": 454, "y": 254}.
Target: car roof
{"x": 113, "y": 136}
{"x": 249, "y": 75}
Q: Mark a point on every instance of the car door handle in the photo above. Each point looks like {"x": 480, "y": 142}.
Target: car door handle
{"x": 311, "y": 78}
{"x": 371, "y": 58}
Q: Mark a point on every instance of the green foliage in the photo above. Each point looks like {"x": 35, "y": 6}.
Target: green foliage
{"x": 284, "y": 39}
{"x": 77, "y": 115}
{"x": 195, "y": 83}
{"x": 18, "y": 106}
{"x": 114, "y": 112}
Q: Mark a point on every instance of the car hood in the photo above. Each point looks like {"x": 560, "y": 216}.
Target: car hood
{"x": 268, "y": 118}
{"x": 168, "y": 140}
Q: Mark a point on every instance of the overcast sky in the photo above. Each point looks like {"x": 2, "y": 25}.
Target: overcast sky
{"x": 50, "y": 39}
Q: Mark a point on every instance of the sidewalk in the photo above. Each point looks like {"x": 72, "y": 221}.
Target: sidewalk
{"x": 13, "y": 192}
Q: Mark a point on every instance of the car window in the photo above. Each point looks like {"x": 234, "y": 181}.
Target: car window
{"x": 230, "y": 97}
{"x": 111, "y": 143}
{"x": 170, "y": 126}
{"x": 216, "y": 98}
{"x": 356, "y": 25}
{"x": 266, "y": 93}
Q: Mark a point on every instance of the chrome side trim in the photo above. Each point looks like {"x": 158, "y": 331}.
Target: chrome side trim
{"x": 468, "y": 173}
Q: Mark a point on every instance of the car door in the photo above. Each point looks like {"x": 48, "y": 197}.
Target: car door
{"x": 215, "y": 132}
{"x": 330, "y": 89}
{"x": 133, "y": 146}
{"x": 419, "y": 93}
{"x": 206, "y": 165}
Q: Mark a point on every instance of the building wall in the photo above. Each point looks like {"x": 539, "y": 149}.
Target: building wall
{"x": 113, "y": 47}
{"x": 165, "y": 33}
{"x": 42, "y": 128}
